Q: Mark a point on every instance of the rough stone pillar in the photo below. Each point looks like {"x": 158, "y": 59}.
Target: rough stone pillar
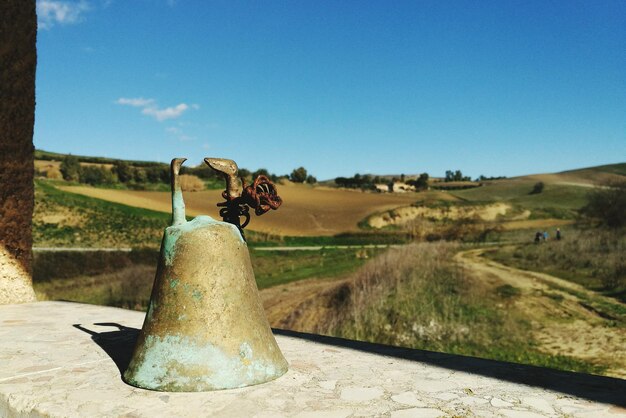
{"x": 18, "y": 59}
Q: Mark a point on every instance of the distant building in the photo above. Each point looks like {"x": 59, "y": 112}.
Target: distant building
{"x": 399, "y": 187}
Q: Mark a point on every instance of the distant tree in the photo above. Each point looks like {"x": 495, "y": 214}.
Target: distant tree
{"x": 244, "y": 173}
{"x": 91, "y": 175}
{"x": 107, "y": 175}
{"x": 422, "y": 181}
{"x": 260, "y": 172}
{"x": 341, "y": 181}
{"x": 483, "y": 178}
{"x": 123, "y": 170}
{"x": 202, "y": 171}
{"x": 298, "y": 175}
{"x": 311, "y": 180}
{"x": 537, "y": 188}
{"x": 94, "y": 175}
{"x": 140, "y": 176}
{"x": 608, "y": 204}
{"x": 165, "y": 174}
{"x": 70, "y": 168}
{"x": 358, "y": 181}
{"x": 402, "y": 177}
{"x": 154, "y": 174}
{"x": 456, "y": 175}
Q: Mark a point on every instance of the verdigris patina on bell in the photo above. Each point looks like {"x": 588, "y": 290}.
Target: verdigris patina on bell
{"x": 205, "y": 328}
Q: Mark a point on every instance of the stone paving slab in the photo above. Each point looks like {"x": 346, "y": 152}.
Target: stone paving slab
{"x": 63, "y": 360}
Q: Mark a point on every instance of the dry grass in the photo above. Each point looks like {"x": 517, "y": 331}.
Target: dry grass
{"x": 128, "y": 288}
{"x": 593, "y": 258}
{"x": 45, "y": 164}
{"x": 416, "y": 296}
{"x": 191, "y": 183}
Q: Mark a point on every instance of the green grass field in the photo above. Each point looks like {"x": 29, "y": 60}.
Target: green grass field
{"x": 65, "y": 219}
{"x": 619, "y": 169}
{"x": 124, "y": 279}
{"x": 593, "y": 258}
{"x": 416, "y": 297}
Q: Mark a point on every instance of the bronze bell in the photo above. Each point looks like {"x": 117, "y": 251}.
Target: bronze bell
{"x": 205, "y": 328}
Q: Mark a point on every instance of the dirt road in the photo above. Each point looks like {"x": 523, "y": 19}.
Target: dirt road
{"x": 302, "y": 305}
{"x": 566, "y": 318}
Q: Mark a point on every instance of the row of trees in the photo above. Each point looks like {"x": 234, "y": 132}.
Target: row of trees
{"x": 123, "y": 172}
{"x": 300, "y": 175}
{"x": 420, "y": 183}
{"x": 455, "y": 176}
{"x": 368, "y": 182}
{"x": 358, "y": 181}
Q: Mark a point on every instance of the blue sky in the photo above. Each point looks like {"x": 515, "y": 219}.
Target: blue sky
{"x": 339, "y": 87}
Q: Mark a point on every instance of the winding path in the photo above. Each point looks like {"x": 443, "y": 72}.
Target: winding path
{"x": 566, "y": 318}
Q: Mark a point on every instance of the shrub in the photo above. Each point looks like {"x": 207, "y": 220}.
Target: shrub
{"x": 93, "y": 174}
{"x": 299, "y": 175}
{"x": 507, "y": 291}
{"x": 54, "y": 173}
{"x": 70, "y": 168}
{"x": 123, "y": 170}
{"x": 191, "y": 183}
{"x": 537, "y": 188}
{"x": 608, "y": 204}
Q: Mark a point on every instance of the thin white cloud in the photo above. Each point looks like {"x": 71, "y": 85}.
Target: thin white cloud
{"x": 150, "y": 108}
{"x": 136, "y": 102}
{"x": 52, "y": 12}
{"x": 167, "y": 113}
{"x": 179, "y": 134}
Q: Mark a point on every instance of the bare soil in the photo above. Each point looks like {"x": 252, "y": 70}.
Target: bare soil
{"x": 306, "y": 211}
{"x": 404, "y": 215}
{"x": 559, "y": 313}
{"x": 302, "y": 305}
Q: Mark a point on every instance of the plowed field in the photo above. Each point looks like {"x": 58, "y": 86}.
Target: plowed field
{"x": 306, "y": 211}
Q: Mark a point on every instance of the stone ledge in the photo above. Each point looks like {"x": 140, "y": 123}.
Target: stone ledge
{"x": 63, "y": 360}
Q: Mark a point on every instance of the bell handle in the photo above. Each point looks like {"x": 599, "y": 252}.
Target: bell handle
{"x": 229, "y": 169}
{"x": 178, "y": 204}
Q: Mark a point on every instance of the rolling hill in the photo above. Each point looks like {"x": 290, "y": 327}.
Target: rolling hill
{"x": 326, "y": 211}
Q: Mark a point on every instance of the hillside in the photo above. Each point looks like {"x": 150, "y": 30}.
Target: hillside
{"x": 316, "y": 211}
{"x": 42, "y": 155}
{"x": 443, "y": 296}
{"x": 306, "y": 211}
{"x": 585, "y": 177}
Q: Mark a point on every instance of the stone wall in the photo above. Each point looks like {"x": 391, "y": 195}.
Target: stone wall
{"x": 18, "y": 60}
